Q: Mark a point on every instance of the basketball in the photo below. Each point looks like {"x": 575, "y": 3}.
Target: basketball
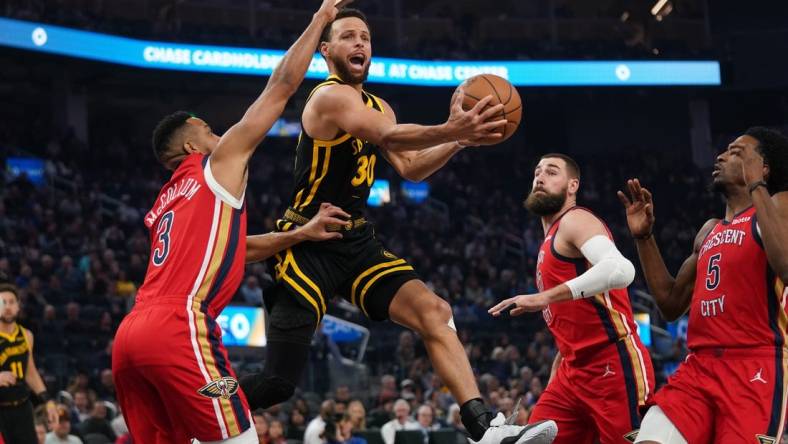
{"x": 478, "y": 87}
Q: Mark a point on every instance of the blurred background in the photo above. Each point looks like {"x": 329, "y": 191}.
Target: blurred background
{"x": 79, "y": 174}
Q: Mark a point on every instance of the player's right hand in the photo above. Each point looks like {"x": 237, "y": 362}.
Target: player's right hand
{"x": 316, "y": 229}
{"x": 7, "y": 379}
{"x": 640, "y": 208}
{"x": 476, "y": 123}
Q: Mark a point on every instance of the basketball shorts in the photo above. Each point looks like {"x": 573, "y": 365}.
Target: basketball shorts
{"x": 727, "y": 396}
{"x": 599, "y": 401}
{"x": 173, "y": 376}
{"x": 357, "y": 267}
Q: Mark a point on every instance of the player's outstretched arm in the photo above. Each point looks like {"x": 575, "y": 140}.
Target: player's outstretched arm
{"x": 229, "y": 160}
{"x": 581, "y": 232}
{"x": 261, "y": 247}
{"x": 338, "y": 106}
{"x": 36, "y": 383}
{"x": 772, "y": 211}
{"x": 416, "y": 166}
{"x": 672, "y": 295}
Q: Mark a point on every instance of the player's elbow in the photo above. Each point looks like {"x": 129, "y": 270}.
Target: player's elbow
{"x": 622, "y": 273}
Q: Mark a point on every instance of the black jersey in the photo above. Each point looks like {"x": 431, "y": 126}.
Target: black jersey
{"x": 14, "y": 353}
{"x": 340, "y": 171}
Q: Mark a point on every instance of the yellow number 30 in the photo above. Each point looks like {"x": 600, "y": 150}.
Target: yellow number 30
{"x": 366, "y": 171}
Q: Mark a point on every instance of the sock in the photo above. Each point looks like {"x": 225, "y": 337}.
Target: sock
{"x": 476, "y": 418}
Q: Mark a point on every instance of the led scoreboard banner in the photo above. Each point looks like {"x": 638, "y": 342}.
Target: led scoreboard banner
{"x": 232, "y": 60}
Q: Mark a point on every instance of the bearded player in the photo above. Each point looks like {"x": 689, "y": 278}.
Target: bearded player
{"x": 346, "y": 130}
{"x": 732, "y": 386}
{"x": 172, "y": 373}
{"x": 602, "y": 374}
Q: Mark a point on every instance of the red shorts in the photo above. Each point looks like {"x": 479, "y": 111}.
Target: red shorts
{"x": 599, "y": 401}
{"x": 173, "y": 376}
{"x": 727, "y": 396}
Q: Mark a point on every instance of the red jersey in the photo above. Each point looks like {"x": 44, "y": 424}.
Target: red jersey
{"x": 738, "y": 301}
{"x": 198, "y": 240}
{"x": 584, "y": 327}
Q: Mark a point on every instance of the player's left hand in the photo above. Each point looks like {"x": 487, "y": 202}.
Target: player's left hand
{"x": 52, "y": 415}
{"x": 317, "y": 228}
{"x": 752, "y": 165}
{"x": 521, "y": 304}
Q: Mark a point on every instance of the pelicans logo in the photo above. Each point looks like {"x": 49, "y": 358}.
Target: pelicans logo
{"x": 220, "y": 388}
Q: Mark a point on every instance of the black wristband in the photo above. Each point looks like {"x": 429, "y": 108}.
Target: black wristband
{"x": 43, "y": 397}
{"x": 754, "y": 186}
{"x": 645, "y": 236}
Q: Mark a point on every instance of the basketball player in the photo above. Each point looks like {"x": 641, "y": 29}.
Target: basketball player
{"x": 602, "y": 373}
{"x": 18, "y": 375}
{"x": 732, "y": 386}
{"x": 345, "y": 132}
{"x": 172, "y": 373}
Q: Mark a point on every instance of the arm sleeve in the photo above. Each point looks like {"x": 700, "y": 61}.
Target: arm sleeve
{"x": 609, "y": 270}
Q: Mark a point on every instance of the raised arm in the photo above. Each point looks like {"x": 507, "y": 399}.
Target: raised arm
{"x": 418, "y": 165}
{"x": 338, "y": 107}
{"x": 229, "y": 160}
{"x": 262, "y": 246}
{"x": 771, "y": 211}
{"x": 672, "y": 295}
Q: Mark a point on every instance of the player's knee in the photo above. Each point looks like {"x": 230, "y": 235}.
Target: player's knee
{"x": 435, "y": 316}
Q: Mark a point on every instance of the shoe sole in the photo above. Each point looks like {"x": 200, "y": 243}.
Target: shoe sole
{"x": 542, "y": 432}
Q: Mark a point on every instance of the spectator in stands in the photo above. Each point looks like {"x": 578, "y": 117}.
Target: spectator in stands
{"x": 388, "y": 389}
{"x": 358, "y": 415}
{"x": 251, "y": 292}
{"x": 296, "y": 425}
{"x": 61, "y": 432}
{"x": 106, "y": 387}
{"x": 261, "y": 426}
{"x": 534, "y": 393}
{"x": 344, "y": 433}
{"x": 97, "y": 422}
{"x": 276, "y": 433}
{"x": 401, "y": 421}
{"x": 318, "y": 424}
{"x": 41, "y": 431}
{"x": 82, "y": 404}
{"x": 425, "y": 416}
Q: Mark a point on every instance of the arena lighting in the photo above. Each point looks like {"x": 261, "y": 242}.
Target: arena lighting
{"x": 44, "y": 38}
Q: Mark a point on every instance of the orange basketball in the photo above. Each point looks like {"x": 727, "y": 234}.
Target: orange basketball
{"x": 478, "y": 87}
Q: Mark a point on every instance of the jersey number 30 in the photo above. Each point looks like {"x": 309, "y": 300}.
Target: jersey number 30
{"x": 163, "y": 235}
{"x": 366, "y": 171}
{"x": 713, "y": 272}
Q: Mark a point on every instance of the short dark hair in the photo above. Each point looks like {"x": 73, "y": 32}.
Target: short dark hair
{"x": 571, "y": 166}
{"x": 10, "y": 288}
{"x": 343, "y": 13}
{"x": 164, "y": 132}
{"x": 773, "y": 146}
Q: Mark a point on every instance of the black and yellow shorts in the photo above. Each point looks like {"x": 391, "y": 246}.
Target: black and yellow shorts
{"x": 358, "y": 268}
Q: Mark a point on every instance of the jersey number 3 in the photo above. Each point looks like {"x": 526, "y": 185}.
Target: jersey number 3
{"x": 366, "y": 171}
{"x": 163, "y": 235}
{"x": 713, "y": 272}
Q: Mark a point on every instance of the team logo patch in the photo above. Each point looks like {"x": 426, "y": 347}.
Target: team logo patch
{"x": 631, "y": 436}
{"x": 220, "y": 388}
{"x": 763, "y": 439}
{"x": 388, "y": 254}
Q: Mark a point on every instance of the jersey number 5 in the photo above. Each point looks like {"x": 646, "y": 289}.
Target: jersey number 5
{"x": 163, "y": 232}
{"x": 366, "y": 171}
{"x": 713, "y": 272}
